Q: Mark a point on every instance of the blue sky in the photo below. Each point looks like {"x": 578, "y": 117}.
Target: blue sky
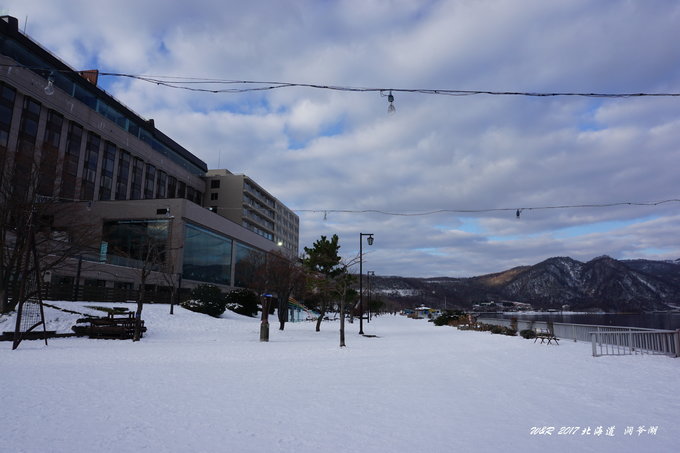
{"x": 325, "y": 151}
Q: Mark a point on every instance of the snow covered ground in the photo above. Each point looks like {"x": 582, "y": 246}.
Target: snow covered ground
{"x": 199, "y": 384}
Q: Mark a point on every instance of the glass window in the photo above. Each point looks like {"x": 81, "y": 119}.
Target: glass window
{"x": 53, "y": 129}
{"x": 123, "y": 175}
{"x": 24, "y": 161}
{"x": 248, "y": 261}
{"x": 137, "y": 176}
{"x": 161, "y": 182}
{"x": 85, "y": 96}
{"x": 7, "y": 95}
{"x": 136, "y": 243}
{"x": 172, "y": 186}
{"x": 90, "y": 167}
{"x": 150, "y": 181}
{"x": 28, "y": 129}
{"x": 106, "y": 178}
{"x": 71, "y": 158}
{"x": 215, "y": 184}
{"x": 207, "y": 256}
{"x": 50, "y": 153}
{"x": 111, "y": 113}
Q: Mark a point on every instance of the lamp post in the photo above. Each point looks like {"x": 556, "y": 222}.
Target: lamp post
{"x": 369, "y": 239}
{"x": 369, "y": 274}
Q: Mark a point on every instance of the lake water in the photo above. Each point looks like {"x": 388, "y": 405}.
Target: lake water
{"x": 666, "y": 321}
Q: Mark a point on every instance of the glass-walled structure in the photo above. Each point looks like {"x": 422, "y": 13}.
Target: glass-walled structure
{"x": 136, "y": 243}
{"x": 207, "y": 256}
{"x": 138, "y": 193}
{"x": 248, "y": 261}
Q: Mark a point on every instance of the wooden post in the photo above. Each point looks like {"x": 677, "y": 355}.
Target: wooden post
{"x": 264, "y": 324}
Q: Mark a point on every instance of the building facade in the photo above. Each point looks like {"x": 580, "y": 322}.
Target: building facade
{"x": 131, "y": 183}
{"x": 240, "y": 199}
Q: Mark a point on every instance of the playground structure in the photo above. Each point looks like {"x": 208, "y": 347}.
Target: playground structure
{"x": 298, "y": 312}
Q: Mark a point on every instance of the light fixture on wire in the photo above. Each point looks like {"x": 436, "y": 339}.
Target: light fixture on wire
{"x": 390, "y": 108}
{"x": 49, "y": 88}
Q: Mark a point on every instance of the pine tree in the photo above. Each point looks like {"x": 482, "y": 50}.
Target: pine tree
{"x": 324, "y": 265}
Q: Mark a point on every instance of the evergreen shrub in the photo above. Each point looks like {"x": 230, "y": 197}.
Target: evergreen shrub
{"x": 528, "y": 334}
{"x": 450, "y": 318}
{"x": 496, "y": 329}
{"x": 207, "y": 299}
{"x": 243, "y": 302}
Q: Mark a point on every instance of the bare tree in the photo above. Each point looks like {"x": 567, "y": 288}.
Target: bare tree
{"x": 59, "y": 232}
{"x": 345, "y": 295}
{"x": 272, "y": 272}
{"x": 286, "y": 278}
{"x": 147, "y": 249}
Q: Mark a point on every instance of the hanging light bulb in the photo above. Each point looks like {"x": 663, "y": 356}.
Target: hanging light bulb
{"x": 49, "y": 88}
{"x": 390, "y": 108}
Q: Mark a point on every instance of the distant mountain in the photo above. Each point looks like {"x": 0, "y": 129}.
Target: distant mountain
{"x": 604, "y": 282}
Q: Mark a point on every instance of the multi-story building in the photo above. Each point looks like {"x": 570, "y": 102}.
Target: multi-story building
{"x": 241, "y": 200}
{"x": 124, "y": 176}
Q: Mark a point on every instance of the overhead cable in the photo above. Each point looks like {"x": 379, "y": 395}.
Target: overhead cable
{"x": 486, "y": 210}
{"x": 243, "y": 86}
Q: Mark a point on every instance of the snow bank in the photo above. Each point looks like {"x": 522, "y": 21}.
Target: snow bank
{"x": 196, "y": 383}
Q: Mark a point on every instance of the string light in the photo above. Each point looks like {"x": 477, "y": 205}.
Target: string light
{"x": 484, "y": 210}
{"x": 49, "y": 88}
{"x": 390, "y": 99}
{"x": 194, "y": 84}
{"x": 189, "y": 83}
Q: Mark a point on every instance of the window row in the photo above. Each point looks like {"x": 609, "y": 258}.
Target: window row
{"x": 91, "y": 168}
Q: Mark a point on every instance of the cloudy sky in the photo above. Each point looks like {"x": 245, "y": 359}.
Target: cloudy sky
{"x": 324, "y": 151}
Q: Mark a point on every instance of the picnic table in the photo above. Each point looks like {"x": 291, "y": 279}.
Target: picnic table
{"x": 113, "y": 326}
{"x": 546, "y": 336}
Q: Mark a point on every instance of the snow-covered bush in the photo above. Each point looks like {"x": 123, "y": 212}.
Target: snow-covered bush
{"x": 528, "y": 334}
{"x": 206, "y": 299}
{"x": 450, "y": 319}
{"x": 243, "y": 302}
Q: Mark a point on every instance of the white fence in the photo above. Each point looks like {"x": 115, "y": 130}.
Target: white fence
{"x": 606, "y": 340}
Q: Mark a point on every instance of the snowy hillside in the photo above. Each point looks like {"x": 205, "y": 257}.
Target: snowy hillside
{"x": 603, "y": 283}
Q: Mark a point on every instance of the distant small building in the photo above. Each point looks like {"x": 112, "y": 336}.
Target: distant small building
{"x": 426, "y": 312}
{"x": 501, "y": 306}
{"x": 521, "y": 306}
{"x": 485, "y": 306}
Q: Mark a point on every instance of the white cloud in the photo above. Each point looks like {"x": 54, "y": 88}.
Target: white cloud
{"x": 328, "y": 150}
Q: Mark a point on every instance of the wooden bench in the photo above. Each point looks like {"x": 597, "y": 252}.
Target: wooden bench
{"x": 546, "y": 335}
{"x": 111, "y": 327}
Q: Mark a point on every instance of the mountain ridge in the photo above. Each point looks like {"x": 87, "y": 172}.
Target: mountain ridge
{"x": 603, "y": 283}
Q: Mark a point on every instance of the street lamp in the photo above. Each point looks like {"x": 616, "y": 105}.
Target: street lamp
{"x": 369, "y": 239}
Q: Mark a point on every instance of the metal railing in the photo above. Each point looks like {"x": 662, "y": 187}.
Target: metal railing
{"x": 661, "y": 342}
{"x": 605, "y": 340}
